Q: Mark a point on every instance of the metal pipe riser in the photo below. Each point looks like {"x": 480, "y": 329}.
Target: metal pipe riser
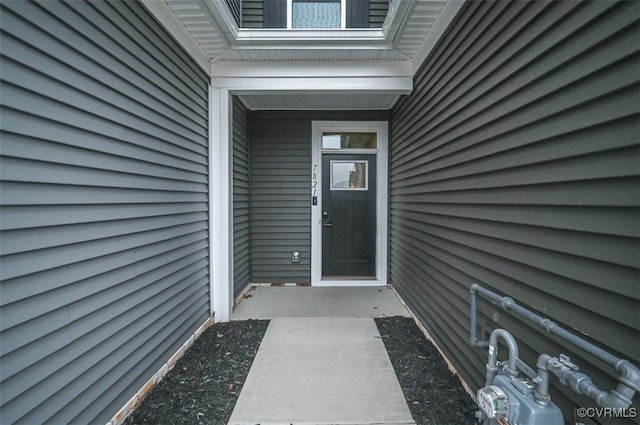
{"x": 473, "y": 338}
{"x": 567, "y": 372}
{"x": 507, "y": 303}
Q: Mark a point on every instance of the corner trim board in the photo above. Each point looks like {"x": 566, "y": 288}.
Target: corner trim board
{"x": 221, "y": 203}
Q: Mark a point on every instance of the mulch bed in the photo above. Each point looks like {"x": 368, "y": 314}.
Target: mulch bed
{"x": 434, "y": 395}
{"x": 205, "y": 384}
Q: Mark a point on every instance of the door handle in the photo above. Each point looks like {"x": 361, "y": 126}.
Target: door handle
{"x": 327, "y": 224}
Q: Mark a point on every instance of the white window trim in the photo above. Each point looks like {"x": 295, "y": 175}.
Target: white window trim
{"x": 382, "y": 130}
{"x": 343, "y": 16}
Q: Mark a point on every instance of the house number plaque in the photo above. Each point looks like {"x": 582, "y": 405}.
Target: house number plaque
{"x": 314, "y": 185}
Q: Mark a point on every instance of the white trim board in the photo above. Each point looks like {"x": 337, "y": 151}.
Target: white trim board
{"x": 314, "y": 78}
{"x": 310, "y": 69}
{"x": 381, "y": 128}
{"x": 328, "y": 82}
{"x": 220, "y": 204}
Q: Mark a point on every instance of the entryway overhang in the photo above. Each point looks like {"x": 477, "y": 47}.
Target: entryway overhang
{"x": 315, "y": 85}
{"x": 286, "y": 69}
{"x": 259, "y": 88}
{"x": 209, "y": 32}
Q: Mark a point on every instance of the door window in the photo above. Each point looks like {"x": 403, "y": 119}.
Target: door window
{"x": 349, "y": 175}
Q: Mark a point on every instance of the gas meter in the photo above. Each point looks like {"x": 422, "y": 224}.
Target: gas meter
{"x": 493, "y": 402}
{"x": 510, "y": 401}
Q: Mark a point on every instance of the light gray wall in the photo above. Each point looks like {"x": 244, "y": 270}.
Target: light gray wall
{"x": 241, "y": 198}
{"x": 281, "y": 190}
{"x": 515, "y": 163}
{"x": 103, "y": 263}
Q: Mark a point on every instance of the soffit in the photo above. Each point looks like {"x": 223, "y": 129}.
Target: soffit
{"x": 213, "y": 32}
{"x": 319, "y": 101}
{"x": 206, "y": 29}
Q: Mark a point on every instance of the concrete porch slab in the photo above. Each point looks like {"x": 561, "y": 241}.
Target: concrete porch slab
{"x": 321, "y": 371}
{"x": 272, "y": 302}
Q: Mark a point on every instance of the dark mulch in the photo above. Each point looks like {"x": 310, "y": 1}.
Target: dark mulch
{"x": 435, "y": 396}
{"x": 205, "y": 384}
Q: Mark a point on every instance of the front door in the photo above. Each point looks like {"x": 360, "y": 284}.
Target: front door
{"x": 349, "y": 216}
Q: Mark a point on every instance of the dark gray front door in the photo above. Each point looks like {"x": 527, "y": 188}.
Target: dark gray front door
{"x": 348, "y": 216}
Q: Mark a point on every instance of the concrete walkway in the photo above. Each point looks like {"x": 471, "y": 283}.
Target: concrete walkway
{"x": 307, "y": 301}
{"x": 331, "y": 368}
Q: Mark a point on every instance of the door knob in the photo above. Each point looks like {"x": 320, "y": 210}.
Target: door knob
{"x": 325, "y": 214}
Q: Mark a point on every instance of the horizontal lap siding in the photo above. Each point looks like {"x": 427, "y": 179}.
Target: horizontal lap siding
{"x": 280, "y": 205}
{"x": 357, "y": 13}
{"x": 104, "y": 228}
{"x": 515, "y": 164}
{"x": 235, "y": 8}
{"x": 377, "y": 12}
{"x": 241, "y": 198}
{"x": 252, "y": 14}
{"x": 281, "y": 190}
{"x": 274, "y": 13}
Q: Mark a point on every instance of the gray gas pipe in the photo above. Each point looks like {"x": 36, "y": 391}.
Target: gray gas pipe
{"x": 530, "y": 394}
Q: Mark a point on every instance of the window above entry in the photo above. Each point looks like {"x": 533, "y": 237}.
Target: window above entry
{"x": 316, "y": 13}
{"x": 256, "y": 31}
{"x": 313, "y": 14}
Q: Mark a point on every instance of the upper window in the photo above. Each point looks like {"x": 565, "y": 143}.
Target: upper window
{"x": 353, "y": 140}
{"x": 312, "y": 14}
{"x": 315, "y": 14}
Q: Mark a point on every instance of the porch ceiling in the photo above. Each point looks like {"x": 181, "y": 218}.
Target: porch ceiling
{"x": 319, "y": 101}
{"x": 206, "y": 29}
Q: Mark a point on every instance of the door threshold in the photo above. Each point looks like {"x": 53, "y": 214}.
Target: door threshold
{"x": 349, "y": 282}
{"x": 348, "y": 278}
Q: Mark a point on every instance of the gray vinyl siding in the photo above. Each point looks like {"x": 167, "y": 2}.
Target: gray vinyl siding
{"x": 275, "y": 13}
{"x": 252, "y": 14}
{"x": 234, "y": 7}
{"x": 264, "y": 13}
{"x": 357, "y": 13}
{"x": 241, "y": 198}
{"x": 515, "y": 163}
{"x": 377, "y": 12}
{"x": 280, "y": 205}
{"x": 281, "y": 190}
{"x": 104, "y": 254}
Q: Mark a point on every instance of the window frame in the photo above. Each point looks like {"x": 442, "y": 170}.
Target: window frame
{"x": 343, "y": 16}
